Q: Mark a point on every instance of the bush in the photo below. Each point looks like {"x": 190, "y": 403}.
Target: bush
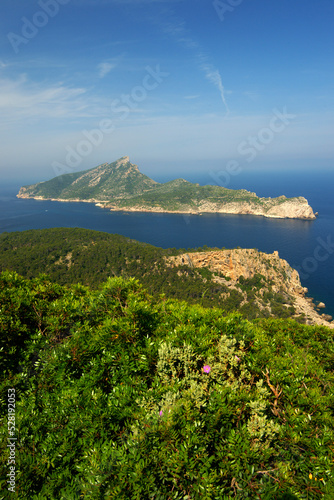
{"x": 122, "y": 396}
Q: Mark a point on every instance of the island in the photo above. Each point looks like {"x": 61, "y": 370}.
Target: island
{"x": 120, "y": 186}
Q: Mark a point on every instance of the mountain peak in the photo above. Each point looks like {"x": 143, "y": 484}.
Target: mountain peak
{"x": 119, "y": 179}
{"x": 124, "y": 164}
{"x": 123, "y": 160}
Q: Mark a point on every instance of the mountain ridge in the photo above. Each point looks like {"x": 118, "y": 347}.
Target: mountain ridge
{"x": 119, "y": 179}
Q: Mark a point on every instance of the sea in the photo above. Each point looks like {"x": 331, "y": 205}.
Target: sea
{"x": 308, "y": 246}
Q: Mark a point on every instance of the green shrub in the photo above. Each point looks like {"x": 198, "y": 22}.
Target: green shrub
{"x": 122, "y": 396}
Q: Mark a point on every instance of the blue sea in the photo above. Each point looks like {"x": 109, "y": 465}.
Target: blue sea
{"x": 308, "y": 246}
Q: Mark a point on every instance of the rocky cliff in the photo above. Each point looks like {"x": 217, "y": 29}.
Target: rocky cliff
{"x": 279, "y": 208}
{"x": 235, "y": 267}
{"x": 284, "y": 208}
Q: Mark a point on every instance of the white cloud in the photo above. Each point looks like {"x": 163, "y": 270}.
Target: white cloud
{"x": 21, "y": 99}
{"x": 141, "y": 1}
{"x": 253, "y": 96}
{"x": 177, "y": 30}
{"x": 214, "y": 77}
{"x": 121, "y": 2}
{"x": 105, "y": 68}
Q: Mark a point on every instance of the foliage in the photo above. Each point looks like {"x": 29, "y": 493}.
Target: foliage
{"x": 120, "y": 395}
{"x": 102, "y": 183}
{"x": 72, "y": 255}
{"x": 181, "y": 195}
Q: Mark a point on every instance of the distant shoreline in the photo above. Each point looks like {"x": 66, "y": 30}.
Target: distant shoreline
{"x": 105, "y": 205}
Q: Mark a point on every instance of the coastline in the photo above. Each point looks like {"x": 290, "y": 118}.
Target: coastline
{"x": 227, "y": 211}
{"x": 305, "y": 305}
{"x": 234, "y": 263}
{"x": 295, "y": 243}
{"x": 201, "y": 212}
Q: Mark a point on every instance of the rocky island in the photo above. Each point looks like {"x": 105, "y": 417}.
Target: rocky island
{"x": 121, "y": 186}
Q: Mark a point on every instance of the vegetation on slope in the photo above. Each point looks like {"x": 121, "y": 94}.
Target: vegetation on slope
{"x": 119, "y": 395}
{"x": 105, "y": 182}
{"x": 185, "y": 195}
{"x": 72, "y": 255}
{"x": 120, "y": 185}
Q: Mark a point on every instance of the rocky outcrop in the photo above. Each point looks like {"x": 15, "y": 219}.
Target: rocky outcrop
{"x": 228, "y": 266}
{"x": 289, "y": 210}
{"x": 295, "y": 209}
{"x": 278, "y": 208}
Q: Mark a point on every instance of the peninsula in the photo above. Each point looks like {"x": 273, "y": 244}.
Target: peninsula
{"x": 121, "y": 186}
{"x": 254, "y": 283}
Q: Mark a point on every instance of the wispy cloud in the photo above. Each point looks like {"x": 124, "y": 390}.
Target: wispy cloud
{"x": 214, "y": 77}
{"x": 253, "y": 96}
{"x": 105, "y": 68}
{"x": 141, "y": 1}
{"x": 121, "y": 2}
{"x": 21, "y": 99}
{"x": 177, "y": 30}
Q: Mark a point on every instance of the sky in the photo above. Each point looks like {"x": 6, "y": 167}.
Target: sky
{"x": 177, "y": 85}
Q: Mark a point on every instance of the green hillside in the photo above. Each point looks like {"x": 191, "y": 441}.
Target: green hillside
{"x": 72, "y": 255}
{"x": 122, "y": 183}
{"x": 181, "y": 194}
{"x": 104, "y": 183}
{"x": 117, "y": 395}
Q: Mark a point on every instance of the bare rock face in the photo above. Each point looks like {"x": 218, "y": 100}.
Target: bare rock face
{"x": 246, "y": 262}
{"x": 278, "y": 276}
{"x": 296, "y": 208}
{"x": 285, "y": 208}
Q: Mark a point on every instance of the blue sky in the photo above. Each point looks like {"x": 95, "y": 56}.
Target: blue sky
{"x": 178, "y": 85}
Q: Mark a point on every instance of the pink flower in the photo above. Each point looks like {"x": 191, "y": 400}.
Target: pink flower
{"x": 237, "y": 358}
{"x": 160, "y": 413}
{"x": 206, "y": 369}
